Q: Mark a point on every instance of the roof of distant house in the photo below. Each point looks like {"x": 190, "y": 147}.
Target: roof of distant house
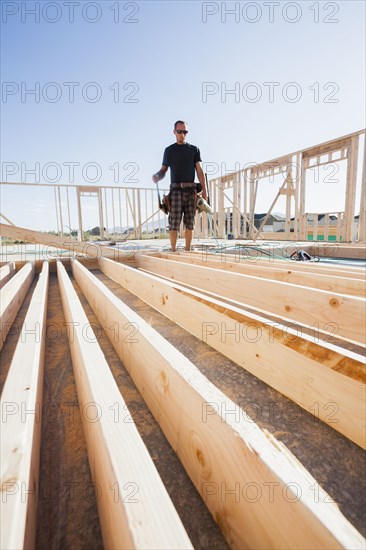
{"x": 277, "y": 217}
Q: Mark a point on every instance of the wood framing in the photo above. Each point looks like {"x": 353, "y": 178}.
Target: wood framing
{"x": 280, "y": 355}
{"x": 257, "y": 233}
{"x": 90, "y": 250}
{"x": 338, "y": 270}
{"x": 325, "y": 250}
{"x": 66, "y": 262}
{"x": 6, "y": 273}
{"x": 327, "y": 147}
{"x": 191, "y": 412}
{"x": 67, "y": 207}
{"x": 21, "y": 410}
{"x": 277, "y": 329}
{"x": 341, "y": 285}
{"x": 310, "y": 307}
{"x": 120, "y": 463}
{"x": 12, "y": 296}
{"x": 234, "y": 197}
{"x": 295, "y": 227}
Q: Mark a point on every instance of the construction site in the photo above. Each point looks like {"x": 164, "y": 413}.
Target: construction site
{"x": 209, "y": 399}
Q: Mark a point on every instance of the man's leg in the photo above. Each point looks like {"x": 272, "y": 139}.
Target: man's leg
{"x": 188, "y": 235}
{"x": 175, "y": 216}
{"x": 189, "y": 215}
{"x": 173, "y": 239}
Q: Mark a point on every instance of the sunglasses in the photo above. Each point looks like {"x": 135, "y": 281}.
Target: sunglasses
{"x": 182, "y": 132}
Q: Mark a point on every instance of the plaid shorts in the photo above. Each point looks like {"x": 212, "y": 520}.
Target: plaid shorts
{"x": 182, "y": 202}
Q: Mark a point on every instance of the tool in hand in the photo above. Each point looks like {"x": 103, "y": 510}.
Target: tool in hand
{"x": 163, "y": 204}
{"x": 203, "y": 206}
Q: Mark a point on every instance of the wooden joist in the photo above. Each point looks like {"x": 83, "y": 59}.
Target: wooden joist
{"x": 6, "y": 273}
{"x": 338, "y": 251}
{"x": 21, "y": 410}
{"x": 135, "y": 509}
{"x": 341, "y": 285}
{"x": 90, "y": 250}
{"x": 310, "y": 267}
{"x": 12, "y": 296}
{"x": 38, "y": 264}
{"x": 220, "y": 453}
{"x": 310, "y": 307}
{"x": 323, "y": 381}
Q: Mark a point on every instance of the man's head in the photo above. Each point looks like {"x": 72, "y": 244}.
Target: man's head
{"x": 180, "y": 131}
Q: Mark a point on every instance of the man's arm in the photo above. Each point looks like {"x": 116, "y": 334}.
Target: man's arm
{"x": 201, "y": 177}
{"x": 161, "y": 174}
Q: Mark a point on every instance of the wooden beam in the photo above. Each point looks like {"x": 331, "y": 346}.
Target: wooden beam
{"x": 138, "y": 200}
{"x": 253, "y": 198}
{"x": 270, "y": 165}
{"x": 91, "y": 250}
{"x": 340, "y": 217}
{"x": 303, "y": 216}
{"x": 220, "y": 453}
{"x": 12, "y": 296}
{"x": 258, "y": 232}
{"x": 6, "y": 273}
{"x": 342, "y": 285}
{"x": 320, "y": 149}
{"x": 350, "y": 199}
{"x": 335, "y": 269}
{"x": 362, "y": 213}
{"x": 38, "y": 264}
{"x": 245, "y": 198}
{"x": 329, "y": 146}
{"x": 289, "y": 193}
{"x": 321, "y": 249}
{"x": 145, "y": 222}
{"x": 326, "y": 227}
{"x": 220, "y": 210}
{"x": 100, "y": 210}
{"x": 297, "y": 184}
{"x": 280, "y": 355}
{"x": 310, "y": 267}
{"x": 275, "y": 252}
{"x": 6, "y": 219}
{"x": 315, "y": 227}
{"x": 310, "y": 307}
{"x": 120, "y": 463}
{"x": 80, "y": 217}
{"x": 236, "y": 210}
{"x": 60, "y": 210}
{"x": 56, "y": 209}
{"x": 271, "y": 255}
{"x": 21, "y": 409}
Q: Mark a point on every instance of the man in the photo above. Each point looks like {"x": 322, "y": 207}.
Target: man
{"x": 183, "y": 159}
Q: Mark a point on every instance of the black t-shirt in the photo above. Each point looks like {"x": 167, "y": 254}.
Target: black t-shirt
{"x": 181, "y": 159}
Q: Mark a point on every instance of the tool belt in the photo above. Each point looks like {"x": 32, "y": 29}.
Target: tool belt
{"x": 184, "y": 185}
{"x": 164, "y": 205}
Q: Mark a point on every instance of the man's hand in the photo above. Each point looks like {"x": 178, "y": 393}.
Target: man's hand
{"x": 159, "y": 175}
{"x": 201, "y": 178}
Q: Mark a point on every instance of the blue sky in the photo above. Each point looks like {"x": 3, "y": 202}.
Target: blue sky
{"x": 171, "y": 60}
